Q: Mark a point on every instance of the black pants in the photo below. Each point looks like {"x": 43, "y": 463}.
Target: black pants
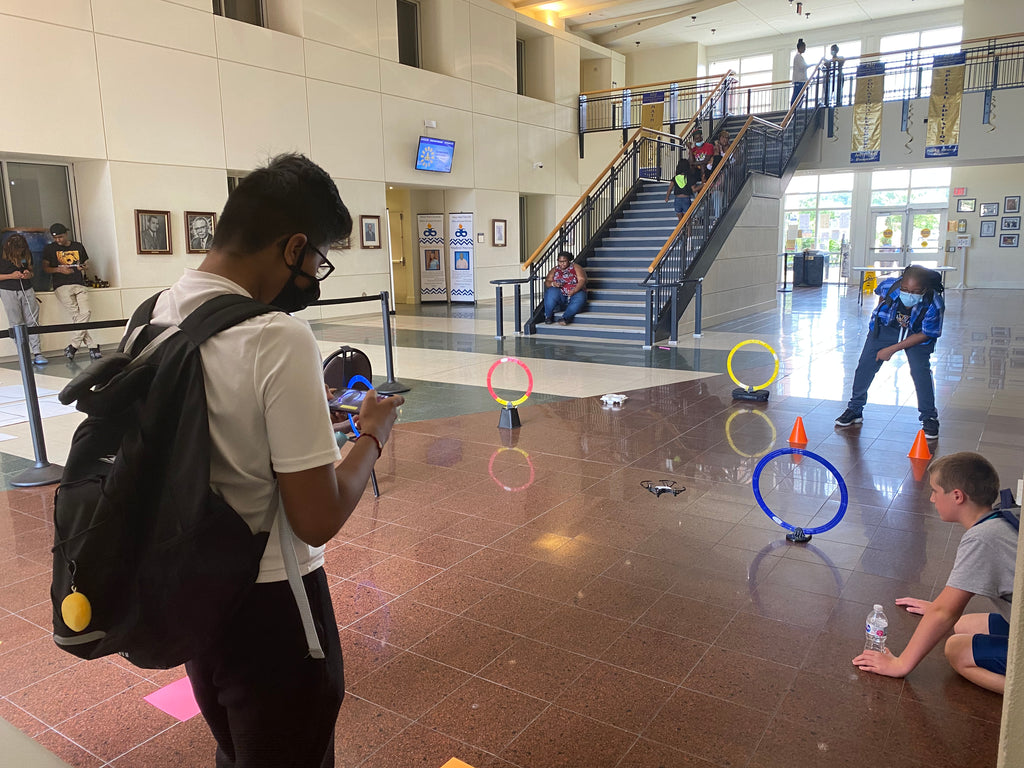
{"x": 267, "y": 703}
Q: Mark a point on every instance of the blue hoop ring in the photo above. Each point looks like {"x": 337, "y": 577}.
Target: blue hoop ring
{"x": 844, "y": 496}
{"x": 357, "y": 379}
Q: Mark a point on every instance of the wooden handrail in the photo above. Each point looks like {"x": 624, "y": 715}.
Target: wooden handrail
{"x": 751, "y": 119}
{"x": 635, "y": 137}
{"x": 648, "y": 85}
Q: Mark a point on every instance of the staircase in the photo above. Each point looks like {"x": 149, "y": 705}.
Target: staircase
{"x": 615, "y": 303}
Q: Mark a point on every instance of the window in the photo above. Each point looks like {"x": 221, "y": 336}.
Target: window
{"x": 409, "y": 33}
{"x": 904, "y": 64}
{"x": 520, "y": 67}
{"x": 249, "y": 11}
{"x": 39, "y": 194}
{"x": 817, "y": 213}
{"x": 922, "y": 186}
{"x": 524, "y": 247}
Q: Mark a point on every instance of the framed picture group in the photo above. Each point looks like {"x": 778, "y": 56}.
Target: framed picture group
{"x": 153, "y": 231}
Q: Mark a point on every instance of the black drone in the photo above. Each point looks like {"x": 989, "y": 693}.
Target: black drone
{"x": 665, "y": 486}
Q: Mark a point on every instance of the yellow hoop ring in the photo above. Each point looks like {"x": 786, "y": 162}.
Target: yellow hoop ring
{"x": 728, "y": 365}
{"x": 728, "y": 432}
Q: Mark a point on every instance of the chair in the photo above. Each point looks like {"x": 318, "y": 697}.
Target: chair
{"x": 340, "y": 367}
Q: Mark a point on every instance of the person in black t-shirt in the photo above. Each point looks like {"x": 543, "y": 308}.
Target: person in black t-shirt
{"x": 685, "y": 184}
{"x": 16, "y": 292}
{"x": 64, "y": 260}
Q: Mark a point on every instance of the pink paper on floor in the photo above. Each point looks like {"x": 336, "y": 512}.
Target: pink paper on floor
{"x": 176, "y": 700}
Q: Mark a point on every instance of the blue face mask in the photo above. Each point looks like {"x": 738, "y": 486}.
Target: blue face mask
{"x": 910, "y": 299}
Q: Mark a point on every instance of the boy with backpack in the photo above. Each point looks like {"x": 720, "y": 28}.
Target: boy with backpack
{"x": 199, "y": 493}
{"x": 964, "y": 488}
{"x": 908, "y": 318}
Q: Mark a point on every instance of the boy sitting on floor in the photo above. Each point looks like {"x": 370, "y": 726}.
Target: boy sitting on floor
{"x": 964, "y": 488}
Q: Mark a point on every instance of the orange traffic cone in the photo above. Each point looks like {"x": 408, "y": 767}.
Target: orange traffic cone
{"x": 798, "y": 437}
{"x": 920, "y": 466}
{"x": 920, "y": 449}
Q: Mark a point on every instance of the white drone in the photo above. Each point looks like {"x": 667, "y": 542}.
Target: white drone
{"x": 614, "y": 401}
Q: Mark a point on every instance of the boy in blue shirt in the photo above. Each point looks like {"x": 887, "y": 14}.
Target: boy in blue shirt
{"x": 964, "y": 488}
{"x": 909, "y": 318}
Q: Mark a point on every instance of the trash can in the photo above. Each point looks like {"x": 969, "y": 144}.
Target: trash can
{"x": 809, "y": 269}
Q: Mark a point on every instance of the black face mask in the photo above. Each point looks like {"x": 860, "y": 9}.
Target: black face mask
{"x": 294, "y": 299}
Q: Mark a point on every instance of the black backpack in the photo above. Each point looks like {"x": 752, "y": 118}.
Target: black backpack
{"x": 162, "y": 560}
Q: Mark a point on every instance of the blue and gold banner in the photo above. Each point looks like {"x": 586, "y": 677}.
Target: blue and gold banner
{"x": 866, "y": 136}
{"x": 433, "y": 282}
{"x": 944, "y": 105}
{"x": 651, "y": 116}
{"x": 461, "y": 258}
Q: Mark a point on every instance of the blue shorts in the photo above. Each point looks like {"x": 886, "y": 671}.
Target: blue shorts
{"x": 990, "y": 650}
{"x": 682, "y": 203}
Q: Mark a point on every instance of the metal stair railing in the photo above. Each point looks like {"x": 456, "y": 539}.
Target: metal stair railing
{"x": 649, "y": 154}
{"x": 759, "y": 147}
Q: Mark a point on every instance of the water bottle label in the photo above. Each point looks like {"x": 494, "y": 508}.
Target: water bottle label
{"x": 878, "y": 632}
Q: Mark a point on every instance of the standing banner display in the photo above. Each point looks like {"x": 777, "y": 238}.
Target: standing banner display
{"x": 460, "y": 255}
{"x": 652, "y": 116}
{"x": 944, "y": 105}
{"x": 866, "y": 136}
{"x": 433, "y": 283}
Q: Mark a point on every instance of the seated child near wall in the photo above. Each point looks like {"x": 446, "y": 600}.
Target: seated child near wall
{"x": 964, "y": 488}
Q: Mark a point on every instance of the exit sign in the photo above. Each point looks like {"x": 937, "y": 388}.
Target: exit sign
{"x": 959, "y": 191}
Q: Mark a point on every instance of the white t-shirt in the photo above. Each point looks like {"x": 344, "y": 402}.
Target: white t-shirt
{"x": 267, "y": 408}
{"x": 799, "y": 69}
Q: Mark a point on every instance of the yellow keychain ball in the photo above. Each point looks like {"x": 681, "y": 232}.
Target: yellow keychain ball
{"x": 76, "y": 611}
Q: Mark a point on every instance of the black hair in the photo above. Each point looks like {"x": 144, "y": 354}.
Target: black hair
{"x": 928, "y": 279}
{"x": 567, "y": 255}
{"x": 801, "y": 42}
{"x": 290, "y": 195}
{"x": 683, "y": 165}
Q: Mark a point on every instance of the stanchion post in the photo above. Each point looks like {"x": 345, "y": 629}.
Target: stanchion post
{"x": 389, "y": 387}
{"x": 698, "y": 305}
{"x": 42, "y": 472}
{"x": 518, "y": 309}
{"x": 499, "y": 319}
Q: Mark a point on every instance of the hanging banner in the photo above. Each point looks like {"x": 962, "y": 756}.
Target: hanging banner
{"x": 866, "y": 136}
{"x": 433, "y": 283}
{"x": 944, "y": 105}
{"x": 652, "y": 116}
{"x": 460, "y": 254}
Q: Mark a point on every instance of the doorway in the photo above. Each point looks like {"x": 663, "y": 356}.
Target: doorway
{"x": 904, "y": 236}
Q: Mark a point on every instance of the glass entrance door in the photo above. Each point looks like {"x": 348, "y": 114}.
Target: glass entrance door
{"x": 908, "y": 236}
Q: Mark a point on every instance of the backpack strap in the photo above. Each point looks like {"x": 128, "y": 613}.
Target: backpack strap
{"x": 219, "y": 314}
{"x": 1007, "y": 505}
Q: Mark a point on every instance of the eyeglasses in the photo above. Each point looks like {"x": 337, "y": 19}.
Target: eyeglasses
{"x": 325, "y": 267}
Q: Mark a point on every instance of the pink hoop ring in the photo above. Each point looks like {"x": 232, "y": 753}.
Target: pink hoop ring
{"x": 490, "y": 469}
{"x": 529, "y": 384}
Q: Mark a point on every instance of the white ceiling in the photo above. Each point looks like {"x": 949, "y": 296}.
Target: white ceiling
{"x": 619, "y": 24}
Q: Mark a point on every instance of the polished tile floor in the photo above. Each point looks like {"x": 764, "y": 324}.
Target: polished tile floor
{"x": 517, "y": 598}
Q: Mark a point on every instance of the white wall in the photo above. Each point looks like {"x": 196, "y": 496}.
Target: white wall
{"x": 166, "y": 98}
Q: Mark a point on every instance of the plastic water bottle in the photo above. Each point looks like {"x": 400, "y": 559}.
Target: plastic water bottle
{"x": 874, "y": 630}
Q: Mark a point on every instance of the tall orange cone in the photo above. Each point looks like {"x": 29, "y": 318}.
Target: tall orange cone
{"x": 920, "y": 466}
{"x": 920, "y": 449}
{"x": 798, "y": 437}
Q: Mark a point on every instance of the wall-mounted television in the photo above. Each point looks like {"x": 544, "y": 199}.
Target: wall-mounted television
{"x": 435, "y": 155}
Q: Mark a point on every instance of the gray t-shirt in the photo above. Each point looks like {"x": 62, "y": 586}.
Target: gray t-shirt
{"x": 985, "y": 562}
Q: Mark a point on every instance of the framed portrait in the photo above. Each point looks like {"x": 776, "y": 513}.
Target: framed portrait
{"x": 990, "y": 209}
{"x": 152, "y": 231}
{"x": 1009, "y": 223}
{"x": 432, "y": 259}
{"x": 1009, "y": 241}
{"x": 1011, "y": 204}
{"x": 199, "y": 230}
{"x": 369, "y": 231}
{"x": 498, "y": 233}
{"x": 988, "y": 228}
{"x": 961, "y": 225}
{"x": 462, "y": 259}
{"x": 965, "y": 205}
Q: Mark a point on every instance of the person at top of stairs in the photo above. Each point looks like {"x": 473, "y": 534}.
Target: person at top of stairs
{"x": 565, "y": 289}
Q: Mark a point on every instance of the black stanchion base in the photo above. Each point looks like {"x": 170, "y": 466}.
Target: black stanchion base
{"x": 799, "y": 536}
{"x": 392, "y": 387}
{"x": 40, "y": 474}
{"x": 753, "y": 395}
{"x": 509, "y": 419}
